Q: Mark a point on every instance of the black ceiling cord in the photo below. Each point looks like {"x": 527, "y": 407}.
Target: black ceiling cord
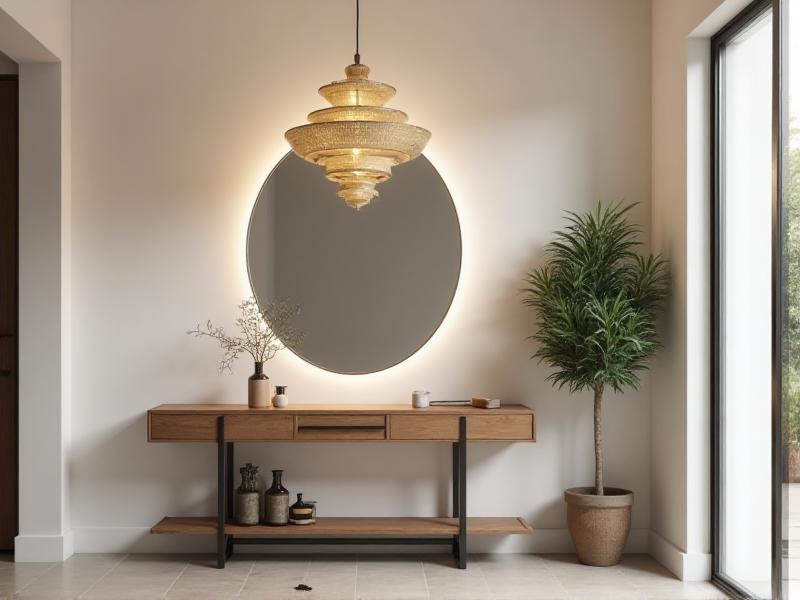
{"x": 357, "y": 56}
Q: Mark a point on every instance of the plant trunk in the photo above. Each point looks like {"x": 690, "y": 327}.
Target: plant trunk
{"x": 598, "y": 439}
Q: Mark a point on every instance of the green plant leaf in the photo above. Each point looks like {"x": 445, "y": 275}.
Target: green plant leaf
{"x": 596, "y": 302}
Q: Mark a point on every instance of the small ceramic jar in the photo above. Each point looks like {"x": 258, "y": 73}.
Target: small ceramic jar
{"x": 281, "y": 400}
{"x": 420, "y": 399}
{"x": 302, "y": 513}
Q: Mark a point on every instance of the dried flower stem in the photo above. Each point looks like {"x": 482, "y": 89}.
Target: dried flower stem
{"x": 263, "y": 332}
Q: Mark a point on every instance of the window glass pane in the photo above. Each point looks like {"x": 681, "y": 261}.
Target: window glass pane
{"x": 791, "y": 297}
{"x": 746, "y": 302}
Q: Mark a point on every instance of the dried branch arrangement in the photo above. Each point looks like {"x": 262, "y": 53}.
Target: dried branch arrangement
{"x": 263, "y": 331}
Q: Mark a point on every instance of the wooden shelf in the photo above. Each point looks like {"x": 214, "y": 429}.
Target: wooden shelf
{"x": 297, "y": 408}
{"x": 352, "y": 526}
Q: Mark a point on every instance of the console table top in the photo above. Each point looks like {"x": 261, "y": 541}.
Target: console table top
{"x": 362, "y": 409}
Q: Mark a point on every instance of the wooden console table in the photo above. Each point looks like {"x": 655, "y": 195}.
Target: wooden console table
{"x": 226, "y": 424}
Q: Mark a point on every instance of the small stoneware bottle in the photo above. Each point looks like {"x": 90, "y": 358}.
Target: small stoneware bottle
{"x": 259, "y": 388}
{"x": 301, "y": 513}
{"x": 276, "y": 501}
{"x": 281, "y": 400}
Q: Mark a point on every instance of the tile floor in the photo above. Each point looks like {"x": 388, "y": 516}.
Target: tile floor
{"x": 335, "y": 577}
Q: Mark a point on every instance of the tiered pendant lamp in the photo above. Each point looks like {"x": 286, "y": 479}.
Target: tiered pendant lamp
{"x": 357, "y": 139}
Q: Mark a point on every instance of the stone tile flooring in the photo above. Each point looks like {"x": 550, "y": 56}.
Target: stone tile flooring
{"x": 338, "y": 577}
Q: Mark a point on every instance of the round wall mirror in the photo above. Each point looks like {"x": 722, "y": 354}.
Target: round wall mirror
{"x": 373, "y": 285}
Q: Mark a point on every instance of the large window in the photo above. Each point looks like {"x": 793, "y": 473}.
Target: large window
{"x": 756, "y": 300}
{"x": 743, "y": 215}
{"x": 788, "y": 128}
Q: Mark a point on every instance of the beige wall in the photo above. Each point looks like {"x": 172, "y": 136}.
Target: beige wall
{"x": 36, "y": 35}
{"x": 680, "y": 397}
{"x": 175, "y": 137}
{"x": 179, "y": 110}
{"x": 46, "y": 20}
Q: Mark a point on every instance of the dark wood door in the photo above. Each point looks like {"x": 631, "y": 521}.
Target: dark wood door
{"x": 9, "y": 408}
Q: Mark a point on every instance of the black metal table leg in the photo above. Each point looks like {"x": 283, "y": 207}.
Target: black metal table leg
{"x": 229, "y": 462}
{"x": 462, "y": 493}
{"x": 229, "y": 478}
{"x": 221, "y": 492}
{"x": 456, "y": 486}
{"x": 456, "y": 495}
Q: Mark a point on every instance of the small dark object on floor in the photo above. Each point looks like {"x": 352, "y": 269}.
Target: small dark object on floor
{"x": 303, "y": 588}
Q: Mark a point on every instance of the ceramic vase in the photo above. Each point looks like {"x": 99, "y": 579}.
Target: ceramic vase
{"x": 281, "y": 400}
{"x": 276, "y": 501}
{"x": 302, "y": 513}
{"x": 247, "y": 508}
{"x": 259, "y": 388}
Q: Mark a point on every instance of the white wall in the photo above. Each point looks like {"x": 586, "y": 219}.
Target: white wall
{"x": 680, "y": 393}
{"x": 36, "y": 35}
{"x": 179, "y": 110}
{"x": 672, "y": 23}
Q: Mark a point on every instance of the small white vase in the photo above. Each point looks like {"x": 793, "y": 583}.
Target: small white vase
{"x": 281, "y": 400}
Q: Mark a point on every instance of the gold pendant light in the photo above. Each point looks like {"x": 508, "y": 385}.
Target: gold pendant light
{"x": 357, "y": 139}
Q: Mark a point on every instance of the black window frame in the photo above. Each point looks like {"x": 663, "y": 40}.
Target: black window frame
{"x": 732, "y": 29}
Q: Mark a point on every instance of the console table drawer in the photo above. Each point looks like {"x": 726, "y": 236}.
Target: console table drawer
{"x": 258, "y": 428}
{"x": 500, "y": 427}
{"x": 341, "y": 427}
{"x": 425, "y": 427}
{"x": 203, "y": 428}
{"x": 479, "y": 427}
{"x": 182, "y": 428}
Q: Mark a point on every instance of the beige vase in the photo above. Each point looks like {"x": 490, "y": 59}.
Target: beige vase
{"x": 259, "y": 388}
{"x": 599, "y": 525}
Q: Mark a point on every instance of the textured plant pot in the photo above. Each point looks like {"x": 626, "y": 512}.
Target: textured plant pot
{"x": 791, "y": 461}
{"x": 247, "y": 508}
{"x": 599, "y": 525}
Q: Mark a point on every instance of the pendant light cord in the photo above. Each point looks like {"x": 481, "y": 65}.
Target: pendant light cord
{"x": 357, "y": 57}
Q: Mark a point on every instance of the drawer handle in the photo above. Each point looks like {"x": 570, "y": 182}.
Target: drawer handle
{"x": 340, "y": 427}
{"x": 5, "y": 372}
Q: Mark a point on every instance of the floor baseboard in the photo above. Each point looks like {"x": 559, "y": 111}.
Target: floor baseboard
{"x": 43, "y": 548}
{"x": 687, "y": 566}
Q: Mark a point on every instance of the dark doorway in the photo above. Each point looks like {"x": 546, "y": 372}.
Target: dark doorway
{"x": 9, "y": 292}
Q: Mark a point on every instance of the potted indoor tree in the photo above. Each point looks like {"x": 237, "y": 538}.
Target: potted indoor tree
{"x": 596, "y": 301}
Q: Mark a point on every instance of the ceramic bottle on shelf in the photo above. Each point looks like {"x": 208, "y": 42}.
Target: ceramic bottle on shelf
{"x": 259, "y": 388}
{"x": 247, "y": 505}
{"x": 276, "y": 501}
{"x": 302, "y": 513}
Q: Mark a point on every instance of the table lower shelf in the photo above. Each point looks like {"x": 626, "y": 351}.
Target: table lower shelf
{"x": 352, "y": 526}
